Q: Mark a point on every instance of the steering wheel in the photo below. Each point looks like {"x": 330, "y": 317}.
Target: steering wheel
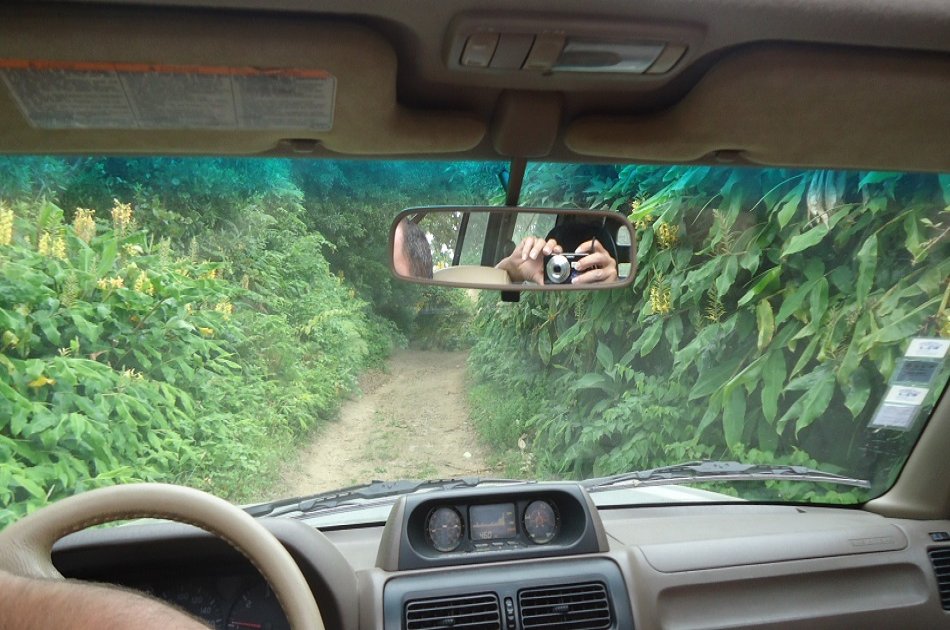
{"x": 26, "y": 546}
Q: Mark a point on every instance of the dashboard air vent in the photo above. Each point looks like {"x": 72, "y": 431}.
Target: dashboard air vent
{"x": 941, "y": 561}
{"x": 569, "y": 607}
{"x": 472, "y": 612}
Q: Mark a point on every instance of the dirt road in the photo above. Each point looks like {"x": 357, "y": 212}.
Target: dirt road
{"x": 411, "y": 422}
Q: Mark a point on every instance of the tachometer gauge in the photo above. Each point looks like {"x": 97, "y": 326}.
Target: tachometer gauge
{"x": 257, "y": 609}
{"x": 540, "y": 522}
{"x": 444, "y": 528}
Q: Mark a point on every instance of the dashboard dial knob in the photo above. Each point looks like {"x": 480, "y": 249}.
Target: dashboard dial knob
{"x": 444, "y": 528}
{"x": 541, "y": 522}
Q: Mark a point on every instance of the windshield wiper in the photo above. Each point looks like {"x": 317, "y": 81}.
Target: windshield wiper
{"x": 373, "y": 490}
{"x": 720, "y": 471}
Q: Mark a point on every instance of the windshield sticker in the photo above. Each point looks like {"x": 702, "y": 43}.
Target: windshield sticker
{"x": 892, "y": 416}
{"x": 915, "y": 371}
{"x": 67, "y": 95}
{"x": 906, "y": 395}
{"x": 928, "y": 348}
{"x": 909, "y": 384}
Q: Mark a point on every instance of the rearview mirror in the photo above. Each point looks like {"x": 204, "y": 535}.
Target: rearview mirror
{"x": 513, "y": 249}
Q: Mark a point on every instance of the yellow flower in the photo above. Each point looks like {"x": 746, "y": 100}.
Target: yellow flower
{"x": 131, "y": 374}
{"x": 668, "y": 235}
{"x": 106, "y": 284}
{"x": 660, "y": 297}
{"x": 207, "y": 332}
{"x": 59, "y": 248}
{"x": 41, "y": 381}
{"x": 121, "y": 216}
{"x": 225, "y": 308}
{"x": 9, "y": 339}
{"x": 45, "y": 245}
{"x": 6, "y": 225}
{"x": 143, "y": 284}
{"x": 84, "y": 224}
{"x": 131, "y": 250}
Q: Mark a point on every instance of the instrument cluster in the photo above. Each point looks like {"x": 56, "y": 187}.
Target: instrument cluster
{"x": 490, "y": 523}
{"x": 492, "y": 526}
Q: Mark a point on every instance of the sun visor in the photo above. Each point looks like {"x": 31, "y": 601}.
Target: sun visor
{"x": 794, "y": 106}
{"x": 113, "y": 81}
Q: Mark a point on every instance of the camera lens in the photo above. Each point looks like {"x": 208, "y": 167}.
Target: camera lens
{"x": 558, "y": 269}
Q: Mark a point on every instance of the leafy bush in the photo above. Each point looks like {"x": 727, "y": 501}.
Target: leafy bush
{"x": 123, "y": 360}
{"x": 444, "y": 319}
{"x": 745, "y": 326}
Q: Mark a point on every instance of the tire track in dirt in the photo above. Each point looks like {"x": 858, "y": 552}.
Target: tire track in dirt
{"x": 412, "y": 422}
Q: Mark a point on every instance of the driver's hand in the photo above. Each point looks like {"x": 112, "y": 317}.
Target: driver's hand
{"x": 526, "y": 262}
{"x": 599, "y": 266}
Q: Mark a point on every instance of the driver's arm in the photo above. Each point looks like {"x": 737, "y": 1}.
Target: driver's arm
{"x": 28, "y": 604}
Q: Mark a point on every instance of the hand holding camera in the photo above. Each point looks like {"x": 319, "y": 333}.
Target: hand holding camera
{"x": 544, "y": 262}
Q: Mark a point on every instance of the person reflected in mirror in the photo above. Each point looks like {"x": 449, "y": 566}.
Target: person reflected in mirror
{"x": 412, "y": 255}
{"x": 526, "y": 262}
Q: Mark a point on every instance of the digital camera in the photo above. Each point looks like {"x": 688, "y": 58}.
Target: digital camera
{"x": 561, "y": 268}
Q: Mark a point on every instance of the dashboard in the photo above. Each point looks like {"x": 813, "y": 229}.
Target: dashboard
{"x": 561, "y": 563}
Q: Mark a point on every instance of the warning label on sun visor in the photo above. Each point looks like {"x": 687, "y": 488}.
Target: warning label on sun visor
{"x": 54, "y": 95}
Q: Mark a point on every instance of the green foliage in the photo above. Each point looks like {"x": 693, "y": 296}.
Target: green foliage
{"x": 751, "y": 322}
{"x": 125, "y": 360}
{"x": 444, "y": 319}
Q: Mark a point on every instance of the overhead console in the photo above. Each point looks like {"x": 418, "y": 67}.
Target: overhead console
{"x": 489, "y": 525}
{"x": 546, "y": 45}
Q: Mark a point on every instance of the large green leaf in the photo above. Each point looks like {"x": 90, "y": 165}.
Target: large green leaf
{"x": 790, "y": 203}
{"x": 819, "y": 388}
{"x": 770, "y": 276}
{"x": 733, "y": 417}
{"x": 773, "y": 381}
{"x": 713, "y": 378}
{"x": 728, "y": 275}
{"x": 766, "y": 324}
{"x": 867, "y": 264}
{"x": 650, "y": 337}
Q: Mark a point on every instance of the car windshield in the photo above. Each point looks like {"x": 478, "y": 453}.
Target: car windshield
{"x": 234, "y": 325}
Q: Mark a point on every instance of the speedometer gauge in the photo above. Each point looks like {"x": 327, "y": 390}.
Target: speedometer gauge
{"x": 444, "y": 528}
{"x": 540, "y": 522}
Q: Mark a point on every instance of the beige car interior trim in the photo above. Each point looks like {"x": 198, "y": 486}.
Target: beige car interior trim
{"x": 367, "y": 117}
{"x": 793, "y": 106}
{"x": 922, "y": 489}
{"x": 25, "y": 546}
{"x": 472, "y": 274}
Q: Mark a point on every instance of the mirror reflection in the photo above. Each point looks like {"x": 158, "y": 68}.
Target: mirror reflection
{"x": 513, "y": 248}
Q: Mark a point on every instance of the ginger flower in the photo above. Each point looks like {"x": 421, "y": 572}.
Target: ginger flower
{"x": 143, "y": 284}
{"x": 6, "y": 225}
{"x": 121, "y": 216}
{"x": 58, "y": 249}
{"x": 84, "y": 224}
{"x": 660, "y": 297}
{"x": 668, "y": 235}
{"x": 45, "y": 244}
{"x": 225, "y": 308}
